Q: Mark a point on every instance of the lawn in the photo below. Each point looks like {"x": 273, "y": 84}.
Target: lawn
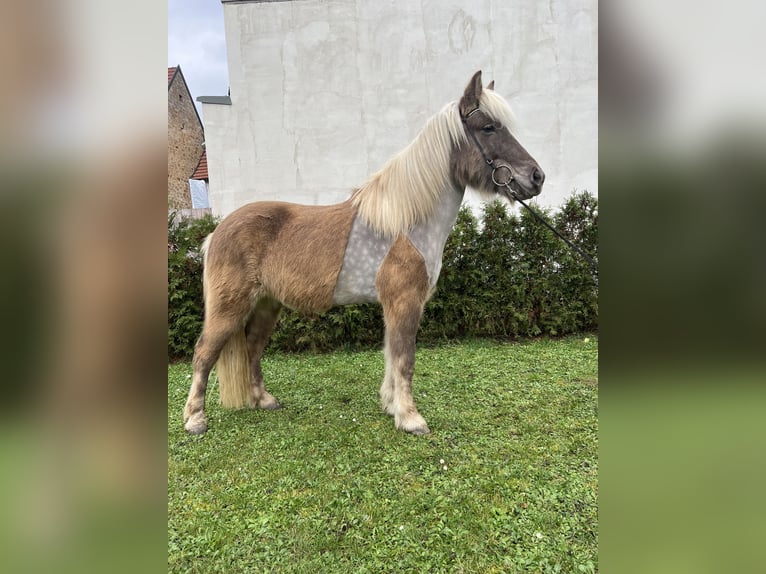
{"x": 507, "y": 482}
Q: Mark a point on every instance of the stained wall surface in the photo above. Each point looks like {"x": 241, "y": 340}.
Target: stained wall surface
{"x": 323, "y": 92}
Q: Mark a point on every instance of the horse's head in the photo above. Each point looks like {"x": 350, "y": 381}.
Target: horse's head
{"x": 491, "y": 157}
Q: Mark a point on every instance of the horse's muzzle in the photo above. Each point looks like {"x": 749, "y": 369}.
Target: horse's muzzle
{"x": 515, "y": 189}
{"x": 525, "y": 187}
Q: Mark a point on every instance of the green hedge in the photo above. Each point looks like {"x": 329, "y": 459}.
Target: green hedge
{"x": 185, "y": 236}
{"x": 509, "y": 277}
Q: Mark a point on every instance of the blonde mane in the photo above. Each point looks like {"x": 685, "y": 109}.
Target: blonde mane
{"x": 405, "y": 191}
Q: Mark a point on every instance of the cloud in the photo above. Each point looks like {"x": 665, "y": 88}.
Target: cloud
{"x": 197, "y": 43}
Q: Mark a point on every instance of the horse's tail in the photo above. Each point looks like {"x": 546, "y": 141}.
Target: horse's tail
{"x": 203, "y": 250}
{"x": 233, "y": 369}
{"x": 233, "y": 365}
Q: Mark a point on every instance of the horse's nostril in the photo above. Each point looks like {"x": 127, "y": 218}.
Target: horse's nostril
{"x": 538, "y": 177}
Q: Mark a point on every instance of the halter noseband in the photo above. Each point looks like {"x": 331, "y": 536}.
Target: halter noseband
{"x": 490, "y": 162}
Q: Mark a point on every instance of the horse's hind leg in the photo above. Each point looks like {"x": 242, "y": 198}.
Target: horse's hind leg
{"x": 216, "y": 332}
{"x": 258, "y": 331}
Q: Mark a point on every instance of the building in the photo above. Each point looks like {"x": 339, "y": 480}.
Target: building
{"x": 185, "y": 140}
{"x": 323, "y": 93}
{"x": 199, "y": 184}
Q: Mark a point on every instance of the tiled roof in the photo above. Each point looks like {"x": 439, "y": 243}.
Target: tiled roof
{"x": 171, "y": 73}
{"x": 201, "y": 171}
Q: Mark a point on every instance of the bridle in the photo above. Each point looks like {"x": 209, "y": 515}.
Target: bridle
{"x": 490, "y": 162}
{"x": 507, "y": 183}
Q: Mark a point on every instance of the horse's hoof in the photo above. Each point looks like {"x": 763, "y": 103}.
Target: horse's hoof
{"x": 415, "y": 425}
{"x": 275, "y": 406}
{"x": 269, "y": 403}
{"x": 196, "y": 425}
{"x": 420, "y": 431}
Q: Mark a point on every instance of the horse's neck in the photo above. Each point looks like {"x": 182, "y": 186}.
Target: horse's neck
{"x": 430, "y": 236}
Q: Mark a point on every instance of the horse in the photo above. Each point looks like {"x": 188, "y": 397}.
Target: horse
{"x": 384, "y": 244}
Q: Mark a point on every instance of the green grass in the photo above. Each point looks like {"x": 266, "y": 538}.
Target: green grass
{"x": 507, "y": 482}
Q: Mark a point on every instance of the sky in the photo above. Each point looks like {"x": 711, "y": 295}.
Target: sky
{"x": 196, "y": 43}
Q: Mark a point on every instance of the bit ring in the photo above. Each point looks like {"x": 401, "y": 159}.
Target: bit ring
{"x": 502, "y": 183}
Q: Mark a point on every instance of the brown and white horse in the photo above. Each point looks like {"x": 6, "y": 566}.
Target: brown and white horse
{"x": 384, "y": 244}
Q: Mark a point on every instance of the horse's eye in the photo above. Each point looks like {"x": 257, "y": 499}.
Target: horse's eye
{"x": 488, "y": 129}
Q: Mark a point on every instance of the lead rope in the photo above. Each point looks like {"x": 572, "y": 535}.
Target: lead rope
{"x": 587, "y": 257}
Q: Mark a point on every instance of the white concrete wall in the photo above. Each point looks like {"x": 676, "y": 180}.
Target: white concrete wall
{"x": 324, "y": 91}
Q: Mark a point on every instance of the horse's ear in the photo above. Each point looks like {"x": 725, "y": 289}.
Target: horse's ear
{"x": 491, "y": 85}
{"x": 470, "y": 99}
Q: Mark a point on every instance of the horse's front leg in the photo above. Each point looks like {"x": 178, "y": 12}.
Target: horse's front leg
{"x": 402, "y": 284}
{"x": 396, "y": 392}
